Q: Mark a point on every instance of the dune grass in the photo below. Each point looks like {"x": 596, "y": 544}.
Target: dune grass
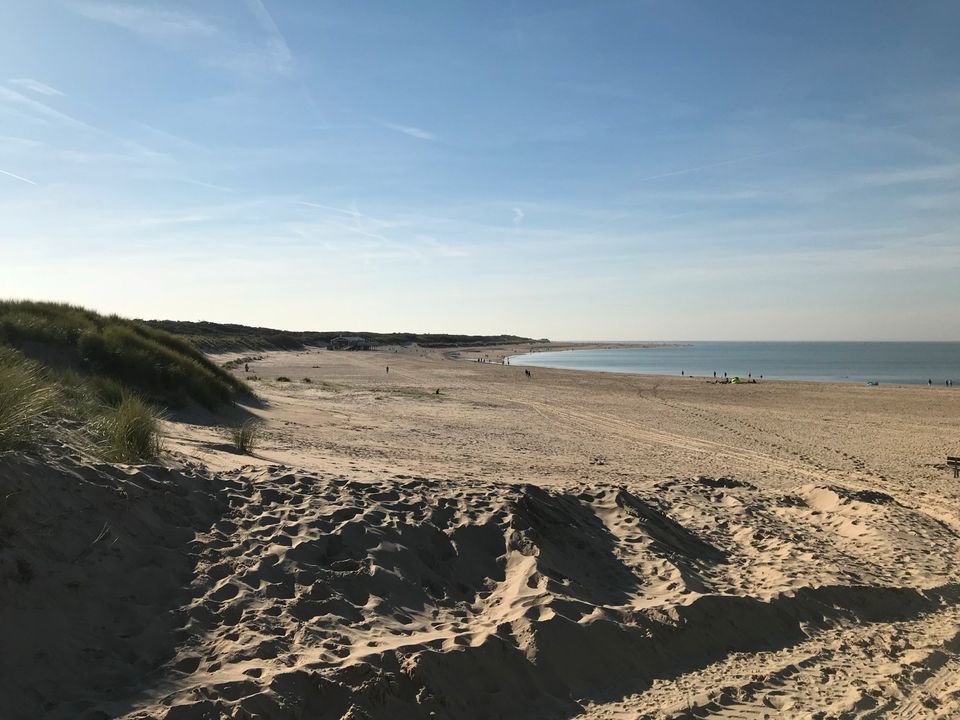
{"x": 130, "y": 431}
{"x": 96, "y": 379}
{"x": 112, "y": 422}
{"x": 161, "y": 367}
{"x": 25, "y": 396}
{"x": 246, "y": 435}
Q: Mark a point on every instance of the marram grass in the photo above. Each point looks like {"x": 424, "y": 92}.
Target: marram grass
{"x": 25, "y": 396}
{"x": 130, "y": 431}
{"x": 245, "y": 435}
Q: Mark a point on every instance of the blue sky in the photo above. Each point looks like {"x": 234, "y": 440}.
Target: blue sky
{"x": 614, "y": 170}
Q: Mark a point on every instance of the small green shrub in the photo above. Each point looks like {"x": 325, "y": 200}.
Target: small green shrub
{"x": 245, "y": 435}
{"x": 24, "y": 397}
{"x": 283, "y": 378}
{"x": 130, "y": 431}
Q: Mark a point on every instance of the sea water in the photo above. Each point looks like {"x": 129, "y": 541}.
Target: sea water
{"x": 881, "y": 362}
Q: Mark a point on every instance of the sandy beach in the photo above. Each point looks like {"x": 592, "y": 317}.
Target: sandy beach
{"x": 562, "y": 545}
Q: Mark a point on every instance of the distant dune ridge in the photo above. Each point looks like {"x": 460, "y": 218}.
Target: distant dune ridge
{"x": 227, "y": 337}
{"x": 559, "y": 545}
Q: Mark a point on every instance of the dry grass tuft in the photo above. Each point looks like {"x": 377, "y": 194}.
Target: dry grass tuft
{"x": 246, "y": 435}
{"x": 130, "y": 431}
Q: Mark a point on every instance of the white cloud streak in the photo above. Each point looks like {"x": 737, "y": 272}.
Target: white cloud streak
{"x": 277, "y": 47}
{"x": 17, "y": 177}
{"x": 40, "y": 109}
{"x": 906, "y": 176}
{"x": 35, "y": 86}
{"x": 144, "y": 20}
{"x": 732, "y": 161}
{"x": 413, "y": 132}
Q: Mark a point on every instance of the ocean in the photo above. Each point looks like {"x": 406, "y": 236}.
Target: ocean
{"x": 910, "y": 363}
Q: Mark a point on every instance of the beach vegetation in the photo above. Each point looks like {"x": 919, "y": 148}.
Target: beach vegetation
{"x": 161, "y": 367}
{"x": 130, "y": 431}
{"x": 103, "y": 382}
{"x": 245, "y": 435}
{"x": 25, "y": 397}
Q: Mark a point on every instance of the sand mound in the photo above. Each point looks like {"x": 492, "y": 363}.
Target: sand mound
{"x": 95, "y": 564}
{"x": 276, "y": 593}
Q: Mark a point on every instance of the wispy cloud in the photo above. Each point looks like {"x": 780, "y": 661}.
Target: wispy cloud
{"x": 722, "y": 163}
{"x": 414, "y": 132}
{"x": 345, "y": 211}
{"x": 39, "y": 109}
{"x": 277, "y": 47}
{"x": 47, "y": 114}
{"x": 216, "y": 44}
{"x": 905, "y": 176}
{"x": 35, "y": 86}
{"x": 21, "y": 178}
{"x": 144, "y": 20}
{"x": 201, "y": 183}
{"x": 518, "y": 216}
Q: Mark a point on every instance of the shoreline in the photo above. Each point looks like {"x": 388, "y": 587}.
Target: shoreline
{"x": 748, "y": 380}
{"x": 497, "y": 353}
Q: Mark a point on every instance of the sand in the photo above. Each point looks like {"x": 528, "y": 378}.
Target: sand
{"x": 565, "y": 545}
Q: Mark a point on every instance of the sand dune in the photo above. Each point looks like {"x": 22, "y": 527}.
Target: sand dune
{"x": 500, "y": 550}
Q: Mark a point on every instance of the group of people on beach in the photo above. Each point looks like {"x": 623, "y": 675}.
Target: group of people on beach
{"x": 735, "y": 380}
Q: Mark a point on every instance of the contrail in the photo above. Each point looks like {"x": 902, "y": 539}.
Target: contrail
{"x": 279, "y": 48}
{"x": 732, "y": 161}
{"x": 17, "y": 177}
{"x": 351, "y": 213}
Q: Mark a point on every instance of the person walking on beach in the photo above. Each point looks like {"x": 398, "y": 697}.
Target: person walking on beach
{"x": 388, "y": 369}
{"x": 714, "y": 374}
{"x": 930, "y": 383}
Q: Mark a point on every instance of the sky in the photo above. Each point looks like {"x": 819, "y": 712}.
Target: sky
{"x": 634, "y": 170}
